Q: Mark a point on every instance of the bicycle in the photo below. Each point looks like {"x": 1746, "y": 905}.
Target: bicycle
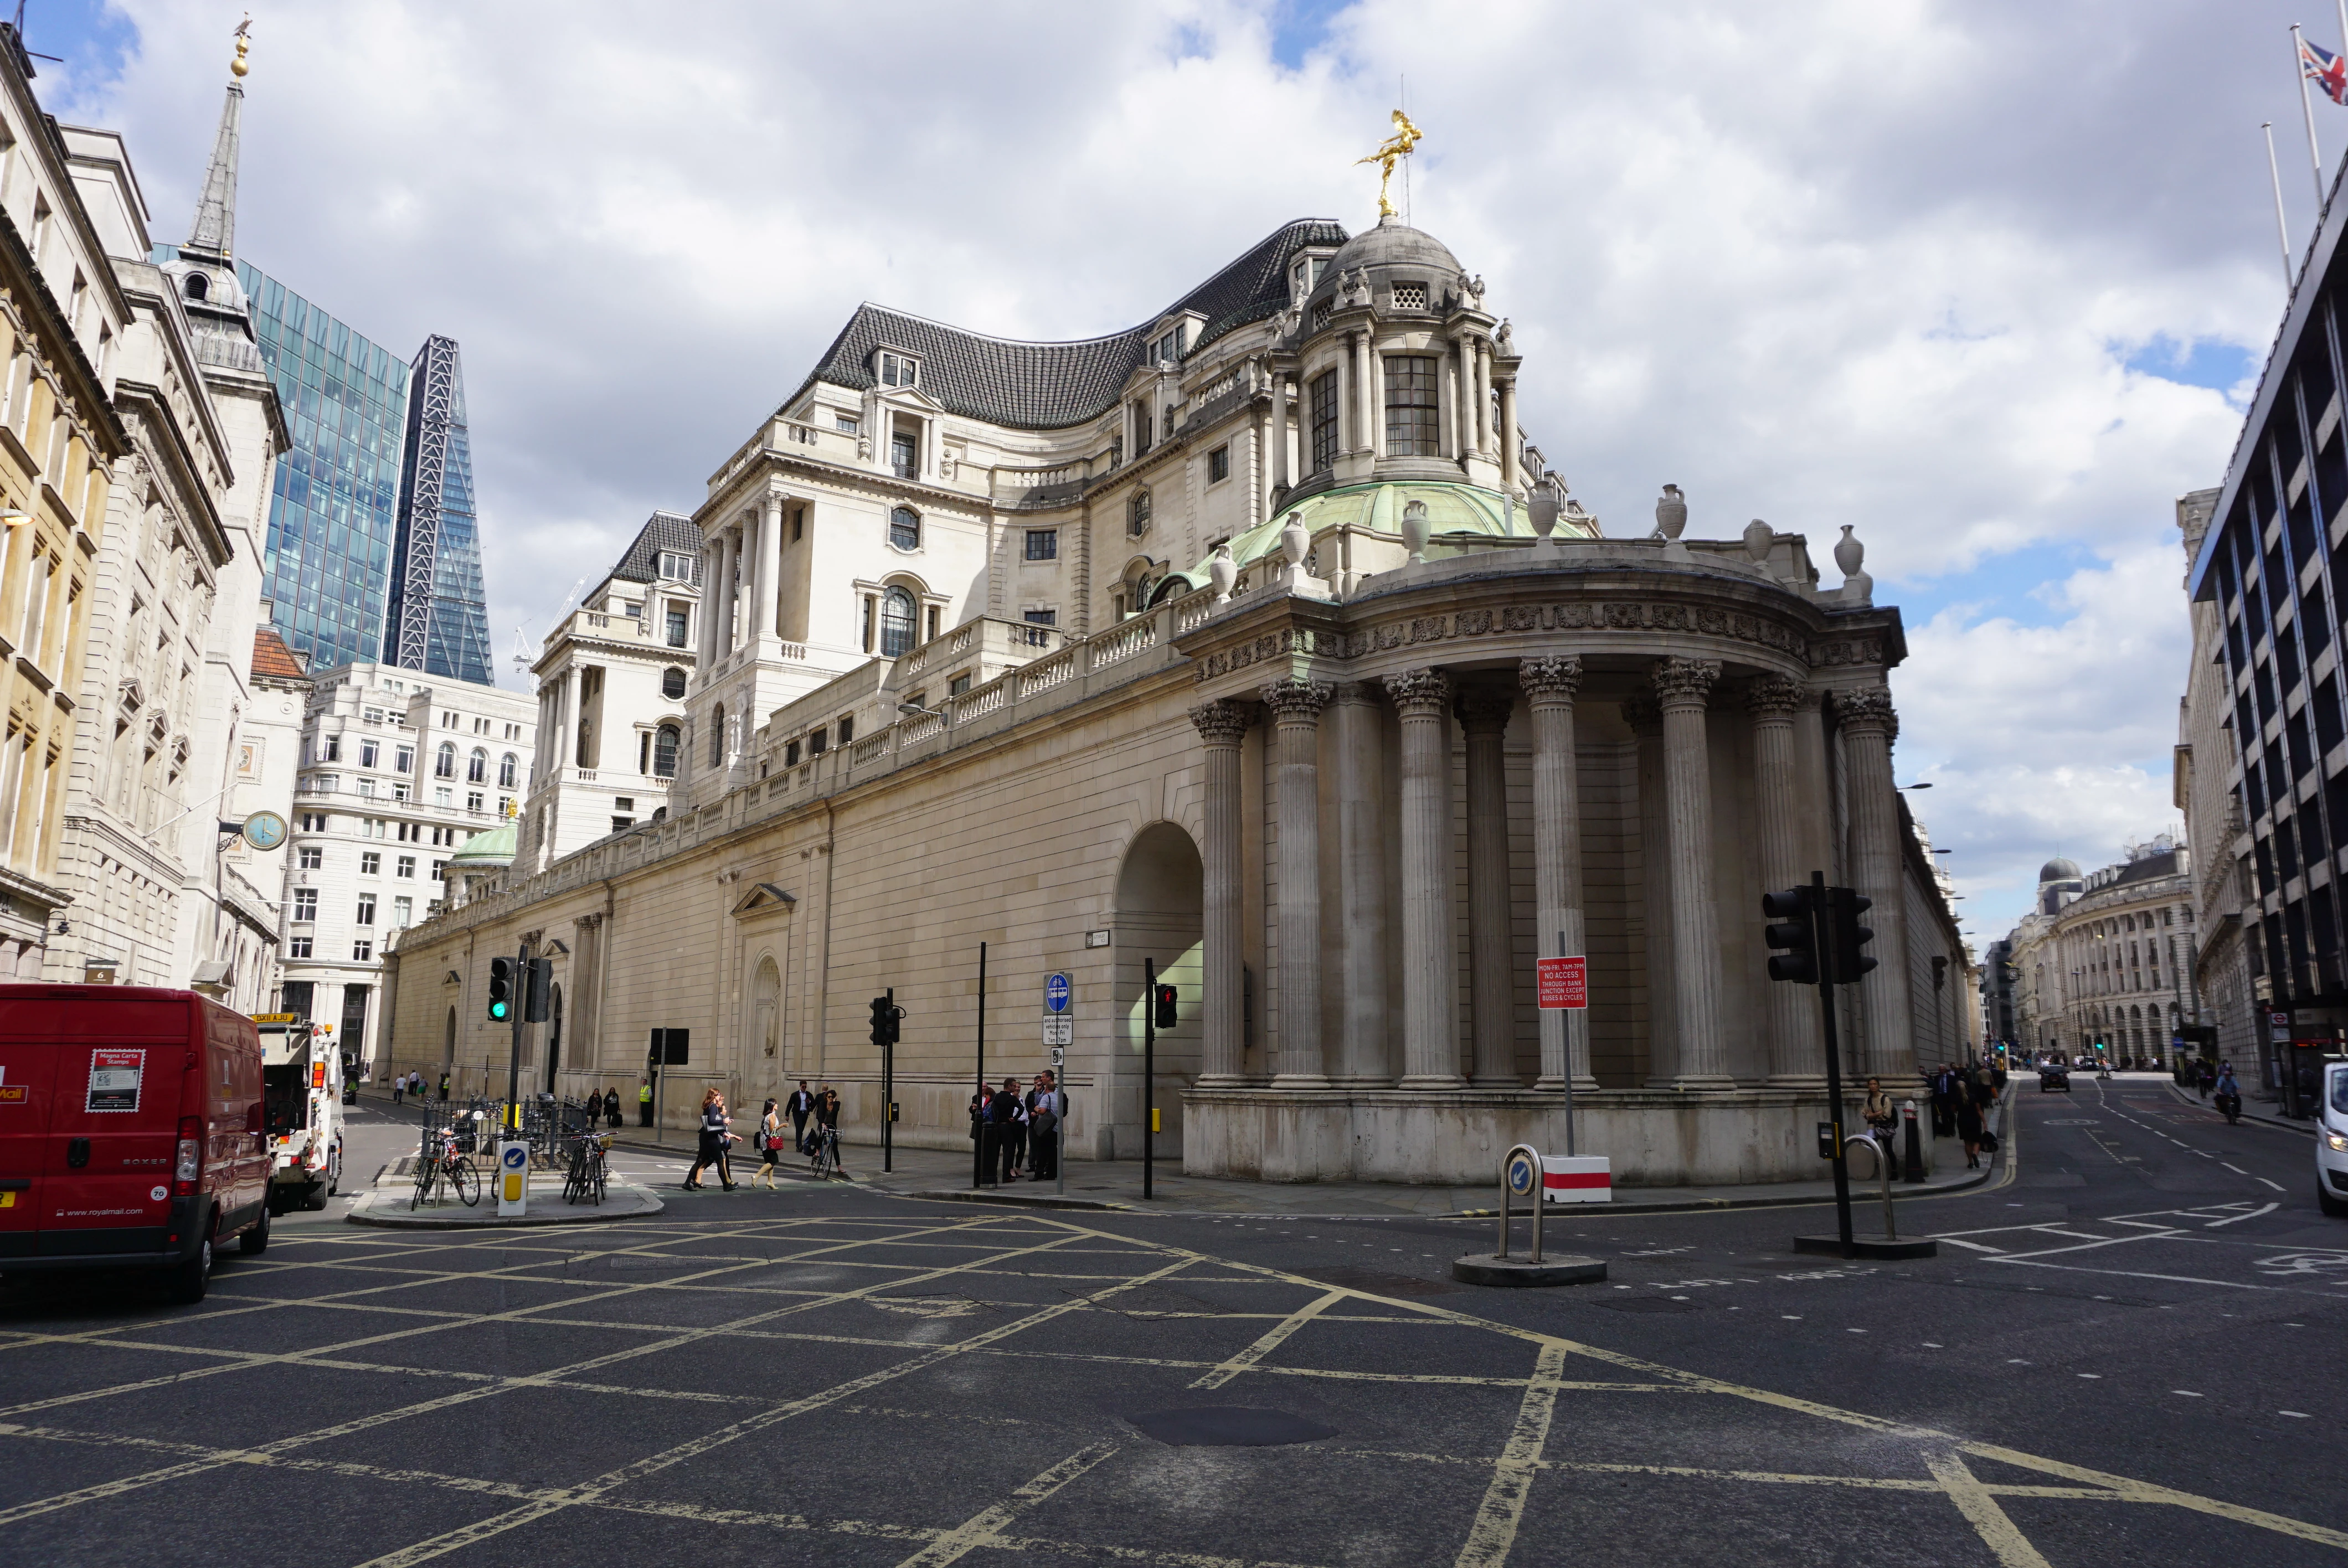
{"x": 441, "y": 1163}
{"x": 823, "y": 1154}
{"x": 588, "y": 1177}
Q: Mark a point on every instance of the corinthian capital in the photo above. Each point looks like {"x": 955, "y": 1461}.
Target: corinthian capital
{"x": 1484, "y": 707}
{"x": 1640, "y": 711}
{"x": 1419, "y": 693}
{"x": 1686, "y": 682}
{"x": 1556, "y": 679}
{"x": 1220, "y": 723}
{"x": 1296, "y": 700}
{"x": 1868, "y": 708}
{"x": 1778, "y": 697}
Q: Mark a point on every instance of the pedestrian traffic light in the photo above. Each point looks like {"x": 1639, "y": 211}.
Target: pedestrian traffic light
{"x": 1849, "y": 938}
{"x": 1795, "y": 935}
{"x": 885, "y": 1014}
{"x": 501, "y": 979}
{"x": 1163, "y": 1006}
{"x": 536, "y": 985}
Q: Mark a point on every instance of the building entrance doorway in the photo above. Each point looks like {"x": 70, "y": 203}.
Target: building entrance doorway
{"x": 1160, "y": 915}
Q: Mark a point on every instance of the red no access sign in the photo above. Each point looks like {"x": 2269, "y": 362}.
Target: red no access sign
{"x": 1565, "y": 982}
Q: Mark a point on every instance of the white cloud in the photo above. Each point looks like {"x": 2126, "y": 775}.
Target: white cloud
{"x": 1865, "y": 264}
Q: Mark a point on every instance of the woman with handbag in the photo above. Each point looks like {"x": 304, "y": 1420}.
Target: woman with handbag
{"x": 769, "y": 1142}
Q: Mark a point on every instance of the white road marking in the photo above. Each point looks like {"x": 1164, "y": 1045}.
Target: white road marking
{"x": 1971, "y": 1246}
{"x": 2213, "y": 1224}
{"x": 2263, "y": 1180}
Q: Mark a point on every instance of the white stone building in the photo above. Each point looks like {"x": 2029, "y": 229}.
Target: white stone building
{"x": 396, "y": 773}
{"x": 612, "y": 684}
{"x": 2106, "y": 959}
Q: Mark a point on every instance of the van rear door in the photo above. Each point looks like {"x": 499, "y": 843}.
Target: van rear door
{"x": 27, "y": 1067}
{"x": 114, "y": 1122}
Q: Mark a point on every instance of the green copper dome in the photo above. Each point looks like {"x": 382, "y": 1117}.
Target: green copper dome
{"x": 495, "y": 847}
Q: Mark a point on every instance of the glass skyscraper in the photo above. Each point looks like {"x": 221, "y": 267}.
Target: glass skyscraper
{"x": 438, "y": 620}
{"x": 333, "y": 518}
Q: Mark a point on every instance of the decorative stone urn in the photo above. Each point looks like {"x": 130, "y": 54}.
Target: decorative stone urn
{"x": 1760, "y": 537}
{"x": 1671, "y": 514}
{"x": 1222, "y": 571}
{"x": 1295, "y": 542}
{"x": 1415, "y": 530}
{"x": 1542, "y": 506}
{"x": 1858, "y": 587}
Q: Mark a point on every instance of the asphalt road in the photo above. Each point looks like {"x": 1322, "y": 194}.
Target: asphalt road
{"x": 2128, "y": 1351}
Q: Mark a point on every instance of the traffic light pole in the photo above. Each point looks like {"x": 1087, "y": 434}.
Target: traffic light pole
{"x": 1822, "y": 942}
{"x": 889, "y": 1094}
{"x": 513, "y": 1056}
{"x": 1149, "y": 1075}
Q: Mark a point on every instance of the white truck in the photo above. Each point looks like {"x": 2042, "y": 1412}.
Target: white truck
{"x": 302, "y": 1101}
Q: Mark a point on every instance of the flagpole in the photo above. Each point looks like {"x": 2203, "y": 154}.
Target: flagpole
{"x": 2307, "y": 110}
{"x": 2274, "y": 172}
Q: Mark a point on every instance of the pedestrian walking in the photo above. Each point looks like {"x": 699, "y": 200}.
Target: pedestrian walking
{"x": 644, "y": 1102}
{"x": 714, "y": 1139}
{"x": 2207, "y": 1079}
{"x": 801, "y": 1107}
{"x": 397, "y": 1086}
{"x": 611, "y": 1107}
{"x": 1968, "y": 1130}
{"x": 767, "y": 1141}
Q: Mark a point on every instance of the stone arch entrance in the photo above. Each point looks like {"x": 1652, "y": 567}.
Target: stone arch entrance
{"x": 1160, "y": 912}
{"x": 762, "y": 1050}
{"x": 448, "y": 1042}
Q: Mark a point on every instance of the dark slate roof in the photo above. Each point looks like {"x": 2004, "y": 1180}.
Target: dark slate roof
{"x": 2148, "y": 868}
{"x": 1050, "y": 385}
{"x": 666, "y": 531}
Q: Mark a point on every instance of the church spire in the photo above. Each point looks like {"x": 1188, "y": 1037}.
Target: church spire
{"x": 215, "y": 226}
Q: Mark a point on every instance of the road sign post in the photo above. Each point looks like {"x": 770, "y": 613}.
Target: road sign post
{"x": 978, "y": 1167}
{"x": 1149, "y": 1076}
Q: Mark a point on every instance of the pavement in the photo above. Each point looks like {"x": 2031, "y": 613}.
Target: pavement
{"x": 2126, "y": 1352}
{"x": 391, "y": 1203}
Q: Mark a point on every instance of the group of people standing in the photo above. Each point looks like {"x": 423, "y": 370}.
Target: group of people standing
{"x": 411, "y": 1084}
{"x": 1961, "y": 1099}
{"x": 1018, "y": 1132}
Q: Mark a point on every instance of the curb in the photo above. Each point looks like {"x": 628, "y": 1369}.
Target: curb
{"x": 2261, "y": 1118}
{"x": 362, "y": 1214}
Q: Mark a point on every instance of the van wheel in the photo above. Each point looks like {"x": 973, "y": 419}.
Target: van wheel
{"x": 2336, "y": 1207}
{"x": 313, "y": 1196}
{"x": 256, "y": 1239}
{"x": 186, "y": 1285}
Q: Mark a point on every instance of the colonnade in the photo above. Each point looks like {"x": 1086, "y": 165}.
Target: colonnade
{"x": 755, "y": 540}
{"x": 1466, "y": 423}
{"x": 1687, "y": 987}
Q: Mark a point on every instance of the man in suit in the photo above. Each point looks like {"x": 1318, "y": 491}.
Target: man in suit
{"x": 802, "y": 1105}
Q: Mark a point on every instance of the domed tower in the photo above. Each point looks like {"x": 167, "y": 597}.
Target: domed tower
{"x": 2059, "y": 882}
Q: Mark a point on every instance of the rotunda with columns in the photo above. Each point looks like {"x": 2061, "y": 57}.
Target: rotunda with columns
{"x": 1258, "y": 648}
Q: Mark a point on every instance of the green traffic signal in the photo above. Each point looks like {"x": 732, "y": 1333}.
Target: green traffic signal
{"x": 501, "y": 979}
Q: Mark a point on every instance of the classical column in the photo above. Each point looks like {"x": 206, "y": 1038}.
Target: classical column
{"x": 1550, "y": 686}
{"x": 1220, "y": 725}
{"x": 1509, "y": 444}
{"x": 1483, "y": 351}
{"x": 1281, "y": 476}
{"x": 706, "y": 645}
{"x": 1296, "y": 712}
{"x": 1794, "y": 1043}
{"x": 1683, "y": 686}
{"x": 1869, "y": 728}
{"x": 1484, "y": 714}
{"x": 1345, "y": 420}
{"x": 1363, "y": 832}
{"x": 1646, "y": 722}
{"x": 721, "y": 602}
{"x": 1365, "y": 395}
{"x": 1465, "y": 404}
{"x": 770, "y": 567}
{"x": 1430, "y": 1042}
{"x": 1375, "y": 399}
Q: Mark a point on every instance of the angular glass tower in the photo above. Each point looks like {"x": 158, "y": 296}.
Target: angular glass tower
{"x": 333, "y": 518}
{"x": 438, "y": 620}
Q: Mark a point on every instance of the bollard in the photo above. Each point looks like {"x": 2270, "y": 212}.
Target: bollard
{"x": 1914, "y": 1152}
{"x": 1520, "y": 1177}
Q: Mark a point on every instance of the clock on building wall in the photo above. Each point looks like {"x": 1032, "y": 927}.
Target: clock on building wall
{"x": 265, "y": 830}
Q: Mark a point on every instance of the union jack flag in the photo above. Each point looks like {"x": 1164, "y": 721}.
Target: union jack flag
{"x": 2326, "y": 70}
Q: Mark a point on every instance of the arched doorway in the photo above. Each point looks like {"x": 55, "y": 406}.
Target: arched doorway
{"x": 1160, "y": 911}
{"x": 448, "y": 1042}
{"x": 553, "y": 1039}
{"x": 762, "y": 1039}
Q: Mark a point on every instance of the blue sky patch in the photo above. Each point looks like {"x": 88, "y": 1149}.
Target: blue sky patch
{"x": 2199, "y": 361}
{"x": 1301, "y": 26}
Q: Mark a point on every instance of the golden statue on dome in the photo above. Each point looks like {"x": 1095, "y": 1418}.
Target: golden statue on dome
{"x": 1394, "y": 148}
{"x": 244, "y": 37}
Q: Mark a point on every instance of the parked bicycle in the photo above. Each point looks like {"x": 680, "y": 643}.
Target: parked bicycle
{"x": 440, "y": 1164}
{"x": 588, "y": 1171}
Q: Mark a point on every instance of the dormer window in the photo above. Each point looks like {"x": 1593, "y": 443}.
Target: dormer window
{"x": 677, "y": 566}
{"x": 898, "y": 369}
{"x": 1168, "y": 349}
{"x": 198, "y": 287}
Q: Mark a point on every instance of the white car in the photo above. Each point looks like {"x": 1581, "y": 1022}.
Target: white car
{"x": 2331, "y": 1140}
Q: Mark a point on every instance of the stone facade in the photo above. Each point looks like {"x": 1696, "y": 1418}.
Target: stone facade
{"x": 2113, "y": 966}
{"x": 1341, "y": 780}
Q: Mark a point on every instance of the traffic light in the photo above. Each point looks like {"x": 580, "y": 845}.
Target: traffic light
{"x": 1849, "y": 937}
{"x": 1163, "y": 1006}
{"x": 536, "y": 985}
{"x": 502, "y": 980}
{"x": 885, "y": 1014}
{"x": 1796, "y": 934}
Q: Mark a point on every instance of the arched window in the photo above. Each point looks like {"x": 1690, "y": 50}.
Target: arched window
{"x": 905, "y": 529}
{"x": 509, "y": 769}
{"x": 672, "y": 683}
{"x": 444, "y": 765}
{"x": 896, "y": 624}
{"x": 718, "y": 737}
{"x": 198, "y": 286}
{"x": 477, "y": 767}
{"x": 1137, "y": 514}
{"x": 665, "y": 742}
{"x": 1171, "y": 586}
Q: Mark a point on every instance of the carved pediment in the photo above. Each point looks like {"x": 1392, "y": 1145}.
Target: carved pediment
{"x": 763, "y": 897}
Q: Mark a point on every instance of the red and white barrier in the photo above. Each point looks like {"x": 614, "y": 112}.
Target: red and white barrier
{"x": 1577, "y": 1180}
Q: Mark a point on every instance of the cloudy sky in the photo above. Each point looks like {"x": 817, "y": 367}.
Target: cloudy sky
{"x": 1989, "y": 284}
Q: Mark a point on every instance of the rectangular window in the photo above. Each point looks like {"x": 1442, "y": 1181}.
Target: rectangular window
{"x": 817, "y": 740}
{"x": 1219, "y": 464}
{"x": 439, "y": 868}
{"x": 675, "y": 626}
{"x": 370, "y": 863}
{"x": 847, "y": 730}
{"x": 362, "y": 951}
{"x": 791, "y": 754}
{"x": 622, "y": 824}
{"x": 677, "y": 566}
{"x": 1323, "y": 396}
{"x": 1043, "y": 544}
{"x": 444, "y": 796}
{"x": 403, "y": 912}
{"x": 370, "y": 754}
{"x": 1041, "y": 617}
{"x": 297, "y": 947}
{"x": 633, "y": 609}
{"x": 957, "y": 686}
{"x": 309, "y": 857}
{"x": 1410, "y": 405}
{"x": 403, "y": 760}
{"x": 847, "y": 423}
{"x": 305, "y": 906}
{"x": 473, "y": 800}
{"x": 799, "y": 524}
{"x": 405, "y": 865}
{"x": 905, "y": 455}
{"x": 367, "y": 910}
{"x": 330, "y": 749}
{"x": 313, "y": 822}
{"x": 898, "y": 370}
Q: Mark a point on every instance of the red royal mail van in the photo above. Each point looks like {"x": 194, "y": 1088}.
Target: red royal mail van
{"x": 131, "y": 1133}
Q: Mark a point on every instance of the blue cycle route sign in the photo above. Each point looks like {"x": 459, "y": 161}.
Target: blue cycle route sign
{"x": 1056, "y": 993}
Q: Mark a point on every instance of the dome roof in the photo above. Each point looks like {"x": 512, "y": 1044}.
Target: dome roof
{"x": 1392, "y": 244}
{"x": 495, "y": 847}
{"x": 2058, "y": 870}
{"x": 1452, "y": 509}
